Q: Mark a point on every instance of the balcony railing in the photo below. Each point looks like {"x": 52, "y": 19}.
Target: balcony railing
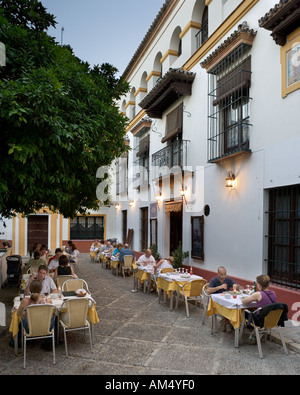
{"x": 170, "y": 159}
{"x": 202, "y": 35}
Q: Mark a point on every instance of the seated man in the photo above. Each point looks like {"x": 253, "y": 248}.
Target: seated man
{"x": 48, "y": 285}
{"x": 125, "y": 251}
{"x": 146, "y": 259}
{"x": 219, "y": 284}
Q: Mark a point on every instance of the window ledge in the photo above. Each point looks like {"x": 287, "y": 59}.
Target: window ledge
{"x": 233, "y": 154}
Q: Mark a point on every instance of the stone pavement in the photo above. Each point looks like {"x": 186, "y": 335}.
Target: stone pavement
{"x": 138, "y": 336}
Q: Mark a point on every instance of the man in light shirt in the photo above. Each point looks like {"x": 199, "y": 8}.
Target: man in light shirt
{"x": 48, "y": 285}
{"x": 147, "y": 259}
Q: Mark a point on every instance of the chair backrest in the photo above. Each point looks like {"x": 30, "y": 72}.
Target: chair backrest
{"x": 39, "y": 319}
{"x": 167, "y": 270}
{"x": 34, "y": 268}
{"x": 272, "y": 319}
{"x": 196, "y": 287}
{"x": 128, "y": 259}
{"x": 270, "y": 315}
{"x": 60, "y": 280}
{"x": 74, "y": 284}
{"x": 77, "y": 310}
{"x": 204, "y": 290}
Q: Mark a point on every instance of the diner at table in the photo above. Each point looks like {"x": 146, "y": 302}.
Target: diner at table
{"x": 126, "y": 251}
{"x": 64, "y": 268}
{"x": 48, "y": 285}
{"x": 54, "y": 261}
{"x": 146, "y": 259}
{"x": 95, "y": 249}
{"x": 218, "y": 285}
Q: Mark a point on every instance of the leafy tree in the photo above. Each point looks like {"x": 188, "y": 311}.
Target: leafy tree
{"x": 58, "y": 119}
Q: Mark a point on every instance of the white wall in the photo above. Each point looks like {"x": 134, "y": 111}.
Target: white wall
{"x": 234, "y": 234}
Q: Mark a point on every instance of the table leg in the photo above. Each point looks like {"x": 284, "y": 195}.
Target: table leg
{"x": 171, "y": 300}
{"x": 236, "y": 337}
{"x": 16, "y": 341}
{"x": 212, "y": 321}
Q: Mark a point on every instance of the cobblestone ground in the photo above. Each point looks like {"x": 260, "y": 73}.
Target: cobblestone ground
{"x": 139, "y": 336}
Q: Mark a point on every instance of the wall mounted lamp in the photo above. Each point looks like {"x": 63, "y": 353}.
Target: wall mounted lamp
{"x": 230, "y": 180}
{"x": 159, "y": 198}
{"x": 132, "y": 203}
{"x": 117, "y": 206}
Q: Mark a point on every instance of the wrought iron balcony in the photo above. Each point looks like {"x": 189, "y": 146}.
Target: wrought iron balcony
{"x": 170, "y": 159}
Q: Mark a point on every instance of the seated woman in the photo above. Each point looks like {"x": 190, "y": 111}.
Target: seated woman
{"x": 95, "y": 249}
{"x": 64, "y": 269}
{"x": 118, "y": 249}
{"x": 74, "y": 253}
{"x": 35, "y": 298}
{"x": 263, "y": 297}
{"x": 164, "y": 264}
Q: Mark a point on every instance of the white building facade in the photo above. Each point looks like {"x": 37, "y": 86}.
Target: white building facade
{"x": 215, "y": 139}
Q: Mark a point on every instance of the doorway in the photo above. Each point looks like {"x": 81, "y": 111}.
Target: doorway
{"x": 175, "y": 230}
{"x": 37, "y": 231}
{"x": 144, "y": 228}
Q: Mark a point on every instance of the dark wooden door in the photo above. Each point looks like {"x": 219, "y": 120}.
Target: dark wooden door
{"x": 124, "y": 226}
{"x": 37, "y": 231}
{"x": 175, "y": 230}
{"x": 144, "y": 228}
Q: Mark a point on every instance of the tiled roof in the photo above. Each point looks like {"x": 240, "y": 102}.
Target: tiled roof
{"x": 243, "y": 32}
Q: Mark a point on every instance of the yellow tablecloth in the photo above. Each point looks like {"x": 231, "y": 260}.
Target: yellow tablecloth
{"x": 167, "y": 286}
{"x": 235, "y": 316}
{"x": 170, "y": 286}
{"x": 15, "y": 320}
{"x": 142, "y": 276}
{"x": 114, "y": 264}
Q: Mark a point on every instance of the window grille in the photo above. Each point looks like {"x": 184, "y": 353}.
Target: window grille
{"x": 284, "y": 236}
{"x": 87, "y": 228}
{"x": 229, "y": 105}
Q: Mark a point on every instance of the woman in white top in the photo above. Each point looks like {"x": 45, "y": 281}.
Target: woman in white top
{"x": 74, "y": 253}
{"x": 164, "y": 264}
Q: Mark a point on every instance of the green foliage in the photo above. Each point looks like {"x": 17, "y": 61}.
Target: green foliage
{"x": 154, "y": 251}
{"x": 179, "y": 256}
{"x": 58, "y": 119}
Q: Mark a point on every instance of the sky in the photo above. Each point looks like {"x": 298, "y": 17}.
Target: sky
{"x": 103, "y": 31}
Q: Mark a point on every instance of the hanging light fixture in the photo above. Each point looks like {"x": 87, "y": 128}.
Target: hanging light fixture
{"x": 230, "y": 180}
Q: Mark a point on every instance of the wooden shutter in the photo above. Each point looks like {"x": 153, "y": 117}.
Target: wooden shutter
{"x": 174, "y": 123}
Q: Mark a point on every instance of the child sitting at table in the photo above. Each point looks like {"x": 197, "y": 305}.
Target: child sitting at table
{"x": 35, "y": 298}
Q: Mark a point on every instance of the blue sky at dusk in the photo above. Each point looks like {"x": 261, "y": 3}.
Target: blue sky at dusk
{"x": 102, "y": 31}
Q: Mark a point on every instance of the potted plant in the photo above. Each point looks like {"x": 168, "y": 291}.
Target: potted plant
{"x": 179, "y": 256}
{"x": 154, "y": 252}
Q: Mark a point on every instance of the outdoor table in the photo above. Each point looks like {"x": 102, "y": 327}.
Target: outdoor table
{"x": 114, "y": 263}
{"x": 169, "y": 282}
{"x": 230, "y": 308}
{"x": 144, "y": 274}
{"x": 57, "y": 302}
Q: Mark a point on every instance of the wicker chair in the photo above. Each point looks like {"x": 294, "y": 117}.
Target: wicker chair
{"x": 167, "y": 270}
{"x": 60, "y": 280}
{"x": 190, "y": 291}
{"x": 33, "y": 268}
{"x": 74, "y": 284}
{"x": 205, "y": 297}
{"x": 269, "y": 317}
{"x": 39, "y": 320}
{"x": 128, "y": 262}
{"x": 75, "y": 318}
